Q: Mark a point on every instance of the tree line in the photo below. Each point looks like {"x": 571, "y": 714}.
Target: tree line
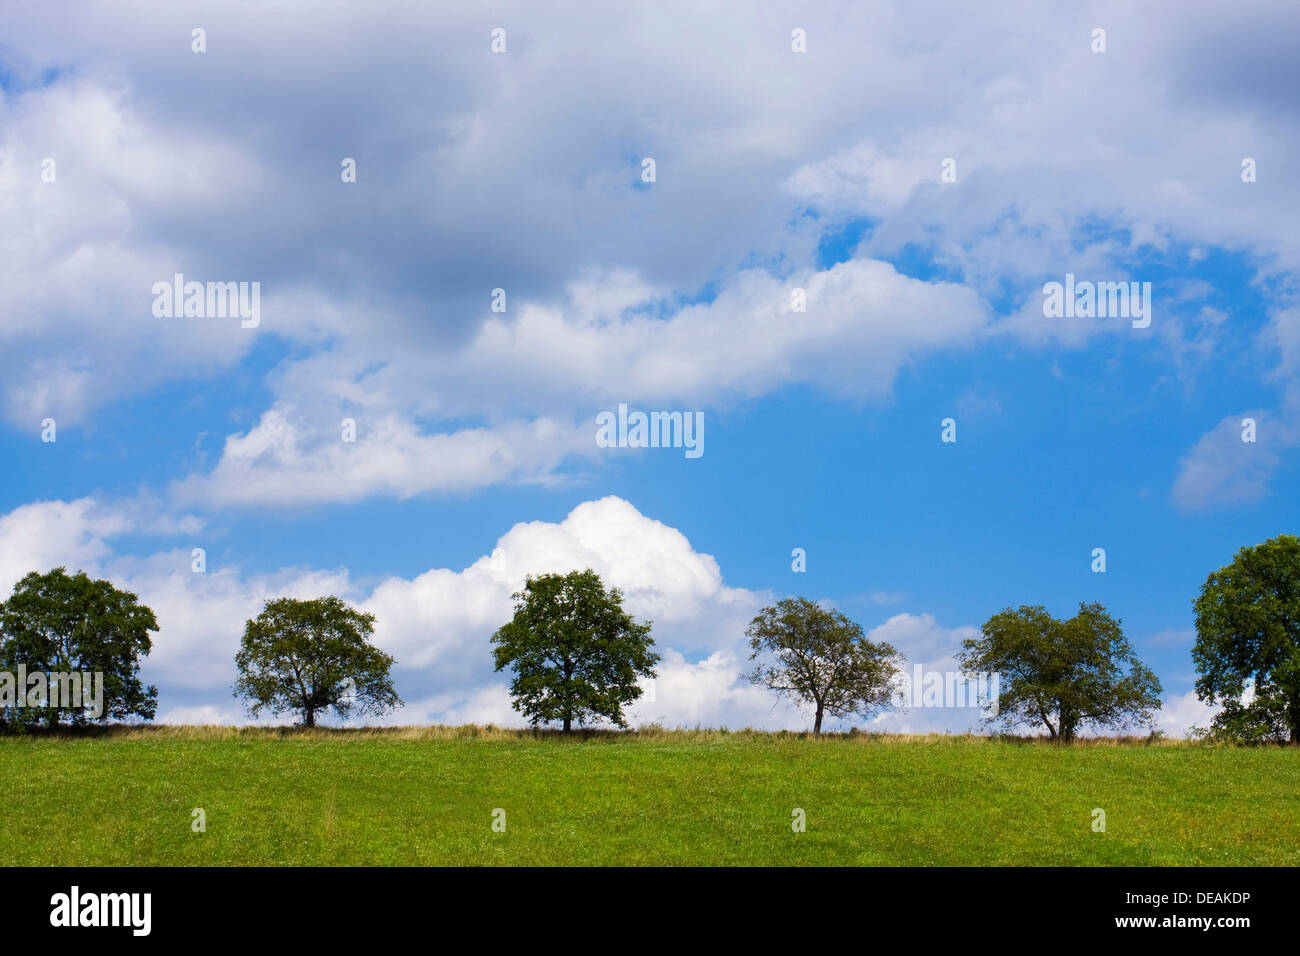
{"x": 576, "y": 657}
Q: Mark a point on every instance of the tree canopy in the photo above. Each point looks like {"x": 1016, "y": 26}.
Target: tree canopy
{"x": 309, "y": 656}
{"x": 575, "y": 653}
{"x": 821, "y": 658}
{"x": 56, "y": 622}
{"x": 1065, "y": 675}
{"x": 1248, "y": 631}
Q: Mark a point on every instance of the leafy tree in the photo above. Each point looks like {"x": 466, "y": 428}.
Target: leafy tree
{"x": 1248, "y": 629}
{"x": 822, "y": 658}
{"x": 73, "y": 623}
{"x": 1065, "y": 675}
{"x": 576, "y": 655}
{"x": 312, "y": 655}
{"x": 1262, "y": 719}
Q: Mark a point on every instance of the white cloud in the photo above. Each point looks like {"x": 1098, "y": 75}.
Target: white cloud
{"x": 381, "y": 288}
{"x": 1284, "y": 333}
{"x": 484, "y": 705}
{"x": 443, "y": 619}
{"x": 863, "y": 321}
{"x": 45, "y": 534}
{"x": 76, "y": 273}
{"x": 712, "y": 692}
{"x": 438, "y": 624}
{"x": 204, "y": 715}
{"x": 1180, "y": 713}
{"x": 292, "y": 458}
{"x": 922, "y": 640}
{"x": 1221, "y": 470}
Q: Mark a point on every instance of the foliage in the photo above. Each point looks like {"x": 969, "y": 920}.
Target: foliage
{"x": 1065, "y": 675}
{"x": 56, "y": 622}
{"x": 1248, "y": 633}
{"x": 821, "y": 658}
{"x": 312, "y": 655}
{"x": 575, "y": 653}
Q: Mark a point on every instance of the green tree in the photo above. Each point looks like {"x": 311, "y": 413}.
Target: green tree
{"x": 1248, "y": 630}
{"x": 73, "y": 623}
{"x": 575, "y": 653}
{"x": 1066, "y": 675}
{"x": 312, "y": 655}
{"x": 822, "y": 658}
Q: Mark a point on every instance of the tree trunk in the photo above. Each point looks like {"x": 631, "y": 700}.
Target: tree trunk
{"x": 309, "y": 717}
{"x": 1066, "y": 723}
{"x": 568, "y": 694}
{"x": 817, "y": 723}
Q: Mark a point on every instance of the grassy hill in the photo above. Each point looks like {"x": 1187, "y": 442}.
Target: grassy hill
{"x": 426, "y": 796}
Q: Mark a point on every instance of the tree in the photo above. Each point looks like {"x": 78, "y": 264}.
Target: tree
{"x": 1248, "y": 630}
{"x": 822, "y": 658}
{"x": 1257, "y": 718}
{"x": 576, "y": 655}
{"x": 61, "y": 623}
{"x": 312, "y": 655}
{"x": 1065, "y": 675}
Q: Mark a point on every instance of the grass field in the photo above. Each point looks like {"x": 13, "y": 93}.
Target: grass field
{"x": 426, "y": 796}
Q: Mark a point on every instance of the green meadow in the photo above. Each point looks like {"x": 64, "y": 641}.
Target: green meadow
{"x": 429, "y": 796}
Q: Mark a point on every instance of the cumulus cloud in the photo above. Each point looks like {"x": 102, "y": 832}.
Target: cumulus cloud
{"x": 379, "y": 290}
{"x": 45, "y": 534}
{"x": 863, "y": 322}
{"x": 1181, "y": 713}
{"x": 442, "y": 620}
{"x": 438, "y": 624}
{"x": 1284, "y": 334}
{"x": 677, "y": 294}
{"x": 1222, "y": 470}
{"x": 927, "y": 644}
{"x": 75, "y": 272}
{"x": 302, "y": 459}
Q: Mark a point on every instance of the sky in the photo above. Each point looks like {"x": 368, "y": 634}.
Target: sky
{"x": 915, "y": 172}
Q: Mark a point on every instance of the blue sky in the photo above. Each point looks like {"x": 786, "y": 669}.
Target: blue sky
{"x": 476, "y": 461}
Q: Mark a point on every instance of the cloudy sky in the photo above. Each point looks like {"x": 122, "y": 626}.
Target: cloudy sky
{"x": 127, "y": 157}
